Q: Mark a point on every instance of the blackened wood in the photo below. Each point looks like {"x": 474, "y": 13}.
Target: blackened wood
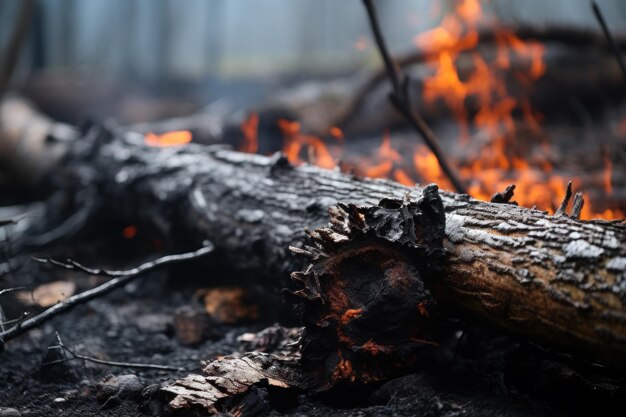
{"x": 551, "y": 279}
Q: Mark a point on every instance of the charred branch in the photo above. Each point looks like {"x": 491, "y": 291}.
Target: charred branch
{"x": 609, "y": 37}
{"x": 505, "y": 196}
{"x": 401, "y": 100}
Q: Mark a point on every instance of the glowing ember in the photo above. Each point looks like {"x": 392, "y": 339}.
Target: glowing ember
{"x": 351, "y": 314}
{"x": 177, "y": 138}
{"x": 129, "y": 232}
{"x": 343, "y": 370}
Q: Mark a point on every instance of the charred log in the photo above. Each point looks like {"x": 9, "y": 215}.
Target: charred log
{"x": 551, "y": 279}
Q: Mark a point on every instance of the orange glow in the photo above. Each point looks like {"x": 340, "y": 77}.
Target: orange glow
{"x": 249, "y": 128}
{"x": 374, "y": 348}
{"x": 294, "y": 142}
{"x": 427, "y": 167}
{"x": 336, "y": 132}
{"x": 343, "y": 370}
{"x": 608, "y": 172}
{"x": 176, "y": 138}
{"x": 129, "y": 232}
{"x": 400, "y": 175}
{"x": 351, "y": 314}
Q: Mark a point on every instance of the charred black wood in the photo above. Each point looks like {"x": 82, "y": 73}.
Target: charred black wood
{"x": 366, "y": 306}
{"x": 551, "y": 279}
{"x": 505, "y": 196}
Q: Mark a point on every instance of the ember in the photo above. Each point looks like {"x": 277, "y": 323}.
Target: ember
{"x": 168, "y": 139}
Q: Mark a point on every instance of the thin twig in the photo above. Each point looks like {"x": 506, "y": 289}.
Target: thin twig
{"x": 609, "y": 37}
{"x": 401, "y": 100}
{"x": 85, "y": 358}
{"x": 120, "y": 278}
{"x": 13, "y": 289}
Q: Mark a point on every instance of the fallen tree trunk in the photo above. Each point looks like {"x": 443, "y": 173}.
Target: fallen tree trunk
{"x": 551, "y": 279}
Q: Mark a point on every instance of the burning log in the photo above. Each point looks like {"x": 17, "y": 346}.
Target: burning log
{"x": 551, "y": 279}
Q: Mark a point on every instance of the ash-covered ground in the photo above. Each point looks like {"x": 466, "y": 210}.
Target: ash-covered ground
{"x": 481, "y": 374}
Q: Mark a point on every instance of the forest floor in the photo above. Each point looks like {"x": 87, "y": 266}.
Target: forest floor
{"x": 482, "y": 375}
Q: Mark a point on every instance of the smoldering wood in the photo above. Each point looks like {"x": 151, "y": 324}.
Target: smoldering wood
{"x": 551, "y": 279}
{"x": 366, "y": 303}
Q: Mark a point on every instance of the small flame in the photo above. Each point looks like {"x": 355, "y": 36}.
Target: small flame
{"x": 176, "y": 138}
{"x": 608, "y": 173}
{"x": 294, "y": 142}
{"x": 336, "y": 132}
{"x": 250, "y": 128}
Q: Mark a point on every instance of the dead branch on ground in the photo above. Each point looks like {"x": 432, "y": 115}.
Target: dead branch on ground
{"x": 120, "y": 278}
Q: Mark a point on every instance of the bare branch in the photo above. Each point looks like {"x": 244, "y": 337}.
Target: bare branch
{"x": 401, "y": 100}
{"x": 13, "y": 289}
{"x": 120, "y": 279}
{"x": 85, "y": 358}
{"x": 609, "y": 37}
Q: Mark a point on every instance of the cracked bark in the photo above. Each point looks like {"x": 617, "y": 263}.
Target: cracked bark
{"x": 551, "y": 279}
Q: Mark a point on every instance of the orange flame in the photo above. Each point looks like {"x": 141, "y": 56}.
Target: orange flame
{"x": 294, "y": 142}
{"x": 176, "y": 138}
{"x": 336, "y": 132}
{"x": 250, "y": 128}
{"x": 608, "y": 173}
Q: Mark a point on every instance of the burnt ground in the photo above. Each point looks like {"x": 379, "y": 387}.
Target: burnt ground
{"x": 481, "y": 373}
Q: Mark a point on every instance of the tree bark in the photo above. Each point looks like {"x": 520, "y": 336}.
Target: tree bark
{"x": 552, "y": 279}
